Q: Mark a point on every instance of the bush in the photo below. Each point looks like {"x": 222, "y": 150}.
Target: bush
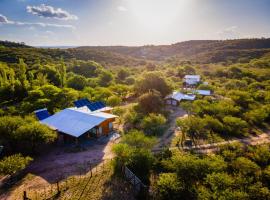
{"x": 12, "y": 164}
{"x": 114, "y": 101}
{"x": 150, "y": 102}
{"x": 235, "y": 126}
{"x": 153, "y": 124}
{"x": 168, "y": 187}
{"x": 152, "y": 81}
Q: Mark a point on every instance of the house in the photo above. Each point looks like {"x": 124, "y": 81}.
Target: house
{"x": 192, "y": 79}
{"x": 176, "y": 97}
{"x": 87, "y": 119}
{"x": 75, "y": 123}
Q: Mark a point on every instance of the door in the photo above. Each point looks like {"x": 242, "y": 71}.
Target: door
{"x": 100, "y": 130}
{"x": 110, "y": 126}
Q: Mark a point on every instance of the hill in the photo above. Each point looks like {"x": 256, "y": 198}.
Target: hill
{"x": 203, "y": 51}
{"x": 196, "y": 51}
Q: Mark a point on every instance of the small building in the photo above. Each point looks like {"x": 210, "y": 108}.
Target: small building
{"x": 202, "y": 92}
{"x": 176, "y": 97}
{"x": 192, "y": 79}
{"x": 73, "y": 123}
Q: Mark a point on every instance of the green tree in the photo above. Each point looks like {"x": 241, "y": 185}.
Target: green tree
{"x": 191, "y": 127}
{"x": 122, "y": 74}
{"x": 35, "y": 134}
{"x": 169, "y": 187}
{"x": 22, "y": 73}
{"x": 235, "y": 126}
{"x": 150, "y": 102}
{"x": 14, "y": 163}
{"x": 137, "y": 139}
{"x": 152, "y": 81}
{"x": 77, "y": 82}
{"x": 62, "y": 72}
{"x": 105, "y": 78}
{"x": 114, "y": 101}
{"x": 153, "y": 124}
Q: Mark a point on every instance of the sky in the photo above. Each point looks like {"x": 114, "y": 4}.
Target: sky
{"x": 131, "y": 22}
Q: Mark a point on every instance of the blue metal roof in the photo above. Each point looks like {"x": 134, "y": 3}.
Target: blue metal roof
{"x": 93, "y": 106}
{"x": 81, "y": 102}
{"x": 42, "y": 114}
{"x": 74, "y": 122}
{"x": 96, "y": 106}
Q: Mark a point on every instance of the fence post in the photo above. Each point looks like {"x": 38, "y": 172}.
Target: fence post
{"x": 58, "y": 189}
{"x": 24, "y": 195}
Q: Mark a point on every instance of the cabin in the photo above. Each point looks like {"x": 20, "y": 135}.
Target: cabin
{"x": 79, "y": 122}
{"x": 192, "y": 79}
{"x": 175, "y": 98}
{"x": 202, "y": 92}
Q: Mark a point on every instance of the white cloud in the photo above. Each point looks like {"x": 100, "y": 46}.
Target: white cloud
{"x": 4, "y": 20}
{"x": 121, "y": 8}
{"x": 229, "y": 33}
{"x": 50, "y": 12}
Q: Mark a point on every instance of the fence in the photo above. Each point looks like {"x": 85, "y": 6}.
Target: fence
{"x": 134, "y": 180}
{"x": 56, "y": 189}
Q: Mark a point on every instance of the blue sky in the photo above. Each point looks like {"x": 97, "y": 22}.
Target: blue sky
{"x": 131, "y": 22}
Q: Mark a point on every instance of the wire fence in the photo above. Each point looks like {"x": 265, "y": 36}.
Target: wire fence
{"x": 137, "y": 184}
{"x": 55, "y": 190}
{"x": 71, "y": 186}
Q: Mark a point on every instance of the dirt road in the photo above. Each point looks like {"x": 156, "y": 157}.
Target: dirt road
{"x": 166, "y": 138}
{"x": 263, "y": 138}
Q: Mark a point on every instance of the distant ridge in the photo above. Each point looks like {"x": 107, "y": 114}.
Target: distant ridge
{"x": 195, "y": 51}
{"x": 56, "y": 47}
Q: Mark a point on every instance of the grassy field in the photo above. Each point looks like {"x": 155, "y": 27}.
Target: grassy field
{"x": 102, "y": 184}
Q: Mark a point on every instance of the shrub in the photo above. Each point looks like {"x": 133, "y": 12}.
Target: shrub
{"x": 12, "y": 164}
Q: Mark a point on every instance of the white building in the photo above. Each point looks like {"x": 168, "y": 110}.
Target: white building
{"x": 192, "y": 79}
{"x": 203, "y": 92}
{"x": 176, "y": 97}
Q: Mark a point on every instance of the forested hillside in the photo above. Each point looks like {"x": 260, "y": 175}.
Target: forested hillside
{"x": 203, "y": 51}
{"x": 197, "y": 51}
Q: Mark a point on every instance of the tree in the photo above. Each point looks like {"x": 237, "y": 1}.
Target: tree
{"x": 122, "y": 74}
{"x": 258, "y": 115}
{"x": 35, "y": 134}
{"x": 153, "y": 124}
{"x": 169, "y": 187}
{"x": 152, "y": 81}
{"x": 140, "y": 163}
{"x": 235, "y": 126}
{"x": 190, "y": 126}
{"x": 62, "y": 72}
{"x": 22, "y": 73}
{"x": 105, "y": 78}
{"x": 77, "y": 82}
{"x": 150, "y": 102}
{"x": 245, "y": 166}
{"x": 14, "y": 163}
{"x": 114, "y": 101}
{"x": 137, "y": 139}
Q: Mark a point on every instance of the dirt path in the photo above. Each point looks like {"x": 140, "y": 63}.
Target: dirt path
{"x": 166, "y": 138}
{"x": 263, "y": 138}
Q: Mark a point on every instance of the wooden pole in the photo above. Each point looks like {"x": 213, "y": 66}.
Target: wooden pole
{"x": 58, "y": 189}
{"x": 24, "y": 195}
